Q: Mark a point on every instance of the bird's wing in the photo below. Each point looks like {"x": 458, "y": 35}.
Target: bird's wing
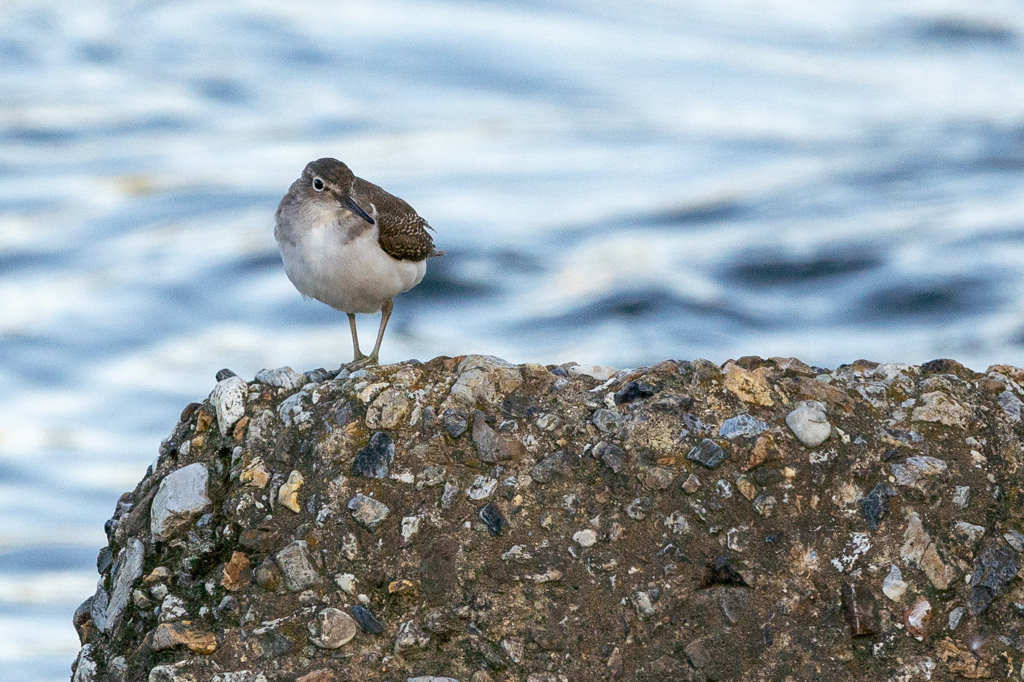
{"x": 403, "y": 233}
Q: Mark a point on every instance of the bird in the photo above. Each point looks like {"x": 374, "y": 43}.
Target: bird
{"x": 350, "y": 244}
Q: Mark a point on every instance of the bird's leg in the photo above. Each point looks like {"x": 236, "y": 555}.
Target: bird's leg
{"x": 372, "y": 358}
{"x": 385, "y": 315}
{"x": 358, "y": 358}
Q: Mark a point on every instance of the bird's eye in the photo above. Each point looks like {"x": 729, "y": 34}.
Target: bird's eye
{"x": 318, "y": 184}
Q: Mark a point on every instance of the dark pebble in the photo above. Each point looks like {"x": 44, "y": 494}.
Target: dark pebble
{"x": 995, "y": 567}
{"x": 859, "y": 608}
{"x": 875, "y": 506}
{"x": 634, "y": 390}
{"x": 429, "y": 417}
{"x": 455, "y": 422}
{"x": 494, "y": 519}
{"x": 370, "y": 624}
{"x": 373, "y": 460}
{"x": 319, "y": 375}
{"x": 707, "y": 453}
{"x": 723, "y": 572}
{"x": 225, "y": 374}
{"x": 765, "y": 476}
{"x": 612, "y": 455}
{"x": 104, "y": 560}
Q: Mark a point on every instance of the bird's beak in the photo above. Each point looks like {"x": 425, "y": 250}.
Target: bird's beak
{"x": 350, "y": 203}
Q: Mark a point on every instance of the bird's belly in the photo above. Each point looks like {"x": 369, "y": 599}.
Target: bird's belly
{"x": 354, "y": 276}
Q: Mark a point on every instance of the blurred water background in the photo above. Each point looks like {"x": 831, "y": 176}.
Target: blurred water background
{"x": 615, "y": 182}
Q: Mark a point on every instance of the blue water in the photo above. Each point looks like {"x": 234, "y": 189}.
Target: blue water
{"x": 615, "y": 182}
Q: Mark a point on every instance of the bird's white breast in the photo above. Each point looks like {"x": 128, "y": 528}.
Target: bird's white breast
{"x": 338, "y": 261}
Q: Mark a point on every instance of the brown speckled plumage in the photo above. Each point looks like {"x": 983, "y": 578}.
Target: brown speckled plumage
{"x": 403, "y": 233}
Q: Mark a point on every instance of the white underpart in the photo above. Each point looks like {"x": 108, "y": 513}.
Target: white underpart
{"x": 352, "y": 275}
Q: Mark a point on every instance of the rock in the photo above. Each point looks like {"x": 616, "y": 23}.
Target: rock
{"x": 633, "y": 390}
{"x": 939, "y": 407}
{"x": 573, "y": 542}
{"x": 410, "y": 636}
{"x": 741, "y": 425}
{"x": 268, "y": 575}
{"x": 237, "y": 573}
{"x": 493, "y": 518}
{"x": 126, "y": 571}
{"x": 485, "y": 439}
{"x": 658, "y": 478}
{"x": 809, "y": 423}
{"x": 172, "y": 608}
{"x": 748, "y": 386}
{"x": 228, "y": 399}
{"x": 893, "y": 586}
{"x": 374, "y": 459}
{"x": 1011, "y": 405}
{"x": 615, "y": 667}
{"x": 481, "y": 488}
{"x": 369, "y": 623}
{"x": 170, "y": 635}
{"x": 708, "y": 453}
{"x": 916, "y": 618}
{"x": 606, "y": 421}
{"x": 283, "y": 377}
{"x": 585, "y": 538}
{"x": 367, "y": 511}
{"x": 859, "y": 608}
{"x": 697, "y": 654}
{"x": 179, "y": 500}
{"x": 599, "y": 372}
{"x": 875, "y": 506}
{"x": 613, "y": 456}
{"x": 332, "y": 629}
{"x": 995, "y": 567}
{"x": 913, "y": 469}
{"x": 484, "y": 378}
{"x": 296, "y": 565}
{"x": 288, "y": 495}
{"x": 551, "y": 467}
{"x": 455, "y": 421}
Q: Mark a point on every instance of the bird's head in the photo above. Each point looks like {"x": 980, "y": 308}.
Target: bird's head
{"x": 329, "y": 180}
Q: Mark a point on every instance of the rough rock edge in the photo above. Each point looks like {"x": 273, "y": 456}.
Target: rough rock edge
{"x": 767, "y": 565}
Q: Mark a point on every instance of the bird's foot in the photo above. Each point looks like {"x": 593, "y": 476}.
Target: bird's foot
{"x": 361, "y": 362}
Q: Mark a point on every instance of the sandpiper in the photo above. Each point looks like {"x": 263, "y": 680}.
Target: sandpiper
{"x": 348, "y": 243}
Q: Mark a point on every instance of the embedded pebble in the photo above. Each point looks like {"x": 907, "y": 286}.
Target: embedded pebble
{"x": 367, "y": 511}
{"x": 742, "y": 425}
{"x": 893, "y": 586}
{"x": 288, "y": 494}
{"x": 634, "y": 390}
{"x": 606, "y": 420}
{"x": 332, "y": 629}
{"x": 809, "y": 423}
{"x": 172, "y": 608}
{"x": 455, "y": 421}
{"x": 126, "y": 570}
{"x": 708, "y": 453}
{"x": 410, "y": 636}
{"x": 368, "y": 622}
{"x": 613, "y": 456}
{"x": 228, "y": 400}
{"x": 916, "y": 618}
{"x": 599, "y": 372}
{"x": 296, "y": 565}
{"x": 481, "y": 488}
{"x": 913, "y": 469}
{"x": 374, "y": 459}
{"x": 491, "y": 516}
{"x": 180, "y": 499}
{"x": 658, "y": 478}
{"x": 585, "y": 538}
{"x": 282, "y": 377}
